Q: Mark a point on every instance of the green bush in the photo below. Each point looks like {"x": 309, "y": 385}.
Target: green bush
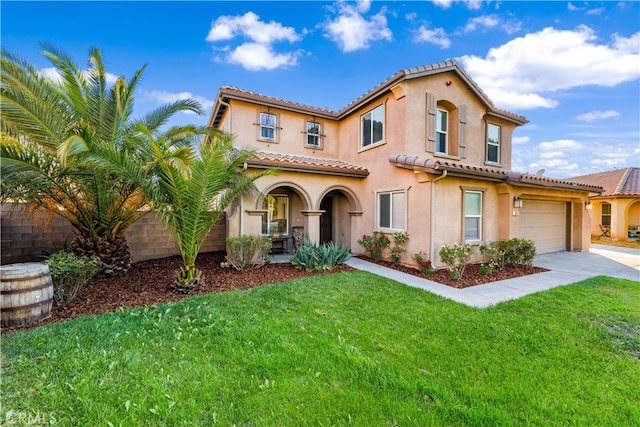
{"x": 313, "y": 257}
{"x": 456, "y": 257}
{"x": 397, "y": 250}
{"x": 248, "y": 251}
{"x": 69, "y": 273}
{"x": 515, "y": 252}
{"x": 424, "y": 264}
{"x": 374, "y": 245}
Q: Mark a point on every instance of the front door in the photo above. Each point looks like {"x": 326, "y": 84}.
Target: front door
{"x": 326, "y": 220}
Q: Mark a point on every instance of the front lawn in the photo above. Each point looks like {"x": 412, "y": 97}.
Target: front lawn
{"x": 346, "y": 348}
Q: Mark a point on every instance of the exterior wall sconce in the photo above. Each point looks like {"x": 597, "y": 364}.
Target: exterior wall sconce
{"x": 587, "y": 205}
{"x": 517, "y": 202}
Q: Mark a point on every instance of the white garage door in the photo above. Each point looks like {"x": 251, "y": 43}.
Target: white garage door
{"x": 545, "y": 224}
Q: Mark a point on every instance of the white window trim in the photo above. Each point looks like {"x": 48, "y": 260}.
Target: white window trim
{"x": 384, "y": 128}
{"x": 482, "y": 192}
{"x": 276, "y": 129}
{"x": 439, "y": 132}
{"x": 487, "y": 144}
{"x": 402, "y": 191}
{"x": 306, "y": 132}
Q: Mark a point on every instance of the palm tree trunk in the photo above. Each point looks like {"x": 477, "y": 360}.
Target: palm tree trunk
{"x": 113, "y": 251}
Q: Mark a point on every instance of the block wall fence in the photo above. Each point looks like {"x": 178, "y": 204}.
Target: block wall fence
{"x": 24, "y": 237}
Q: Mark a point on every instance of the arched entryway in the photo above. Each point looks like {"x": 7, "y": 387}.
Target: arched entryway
{"x": 338, "y": 205}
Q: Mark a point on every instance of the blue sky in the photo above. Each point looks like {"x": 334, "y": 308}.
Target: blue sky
{"x": 572, "y": 68}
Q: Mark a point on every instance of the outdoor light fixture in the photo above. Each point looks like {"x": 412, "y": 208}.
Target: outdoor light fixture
{"x": 517, "y": 202}
{"x": 587, "y": 205}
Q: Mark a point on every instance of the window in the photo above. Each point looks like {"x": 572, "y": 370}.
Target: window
{"x": 472, "y": 215}
{"x": 391, "y": 210}
{"x": 493, "y": 143}
{"x": 275, "y": 222}
{"x": 268, "y": 126}
{"x": 373, "y": 126}
{"x": 606, "y": 214}
{"x": 442, "y": 119}
{"x": 313, "y": 134}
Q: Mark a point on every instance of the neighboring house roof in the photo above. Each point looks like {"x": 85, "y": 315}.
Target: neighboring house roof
{"x": 306, "y": 164}
{"x": 225, "y": 93}
{"x": 616, "y": 183}
{"x": 510, "y": 177}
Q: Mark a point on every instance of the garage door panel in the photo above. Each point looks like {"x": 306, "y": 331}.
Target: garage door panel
{"x": 545, "y": 224}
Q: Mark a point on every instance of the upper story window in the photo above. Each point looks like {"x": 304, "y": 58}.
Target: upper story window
{"x": 313, "y": 135}
{"x": 373, "y": 126}
{"x": 472, "y": 216}
{"x": 391, "y": 210}
{"x": 442, "y": 133}
{"x": 268, "y": 129}
{"x": 446, "y": 128}
{"x": 493, "y": 143}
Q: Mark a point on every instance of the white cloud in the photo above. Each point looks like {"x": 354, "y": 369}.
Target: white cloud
{"x": 597, "y": 11}
{"x": 436, "y": 36}
{"x": 250, "y": 26}
{"x": 165, "y": 97}
{"x": 520, "y": 140}
{"x": 597, "y": 115}
{"x": 52, "y": 74}
{"x": 538, "y": 64}
{"x": 563, "y": 145}
{"x": 471, "y": 4}
{"x": 485, "y": 21}
{"x": 256, "y": 52}
{"x": 352, "y": 31}
{"x": 256, "y": 56}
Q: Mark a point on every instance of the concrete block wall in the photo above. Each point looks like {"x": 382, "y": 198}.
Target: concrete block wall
{"x": 24, "y": 237}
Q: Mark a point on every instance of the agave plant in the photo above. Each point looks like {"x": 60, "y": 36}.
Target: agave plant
{"x": 51, "y": 127}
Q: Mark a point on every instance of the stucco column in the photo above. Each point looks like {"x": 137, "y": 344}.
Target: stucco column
{"x": 356, "y": 231}
{"x": 580, "y": 231}
{"x": 507, "y": 229}
{"x": 312, "y": 224}
{"x": 618, "y": 224}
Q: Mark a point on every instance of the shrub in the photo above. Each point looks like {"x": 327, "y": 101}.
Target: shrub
{"x": 516, "y": 252}
{"x": 313, "y": 257}
{"x": 248, "y": 251}
{"x": 456, "y": 257}
{"x": 424, "y": 264}
{"x": 69, "y": 273}
{"x": 399, "y": 239}
{"x": 374, "y": 245}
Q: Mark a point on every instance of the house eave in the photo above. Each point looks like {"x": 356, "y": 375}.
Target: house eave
{"x": 258, "y": 164}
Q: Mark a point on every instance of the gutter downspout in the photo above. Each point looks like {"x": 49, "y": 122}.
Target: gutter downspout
{"x": 244, "y": 166}
{"x": 432, "y": 244}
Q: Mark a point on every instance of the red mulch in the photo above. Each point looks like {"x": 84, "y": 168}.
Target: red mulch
{"x": 471, "y": 276}
{"x": 148, "y": 282}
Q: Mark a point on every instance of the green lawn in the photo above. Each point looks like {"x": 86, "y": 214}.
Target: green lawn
{"x": 348, "y": 348}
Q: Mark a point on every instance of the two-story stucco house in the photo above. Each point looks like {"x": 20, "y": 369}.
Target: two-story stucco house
{"x": 424, "y": 152}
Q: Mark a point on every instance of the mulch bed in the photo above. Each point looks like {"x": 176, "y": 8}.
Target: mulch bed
{"x": 471, "y": 276}
{"x": 148, "y": 282}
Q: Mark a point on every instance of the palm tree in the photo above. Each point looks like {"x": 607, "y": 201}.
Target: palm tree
{"x": 49, "y": 129}
{"x": 189, "y": 192}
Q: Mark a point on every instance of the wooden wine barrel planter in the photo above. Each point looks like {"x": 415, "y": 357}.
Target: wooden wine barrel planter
{"x": 26, "y": 293}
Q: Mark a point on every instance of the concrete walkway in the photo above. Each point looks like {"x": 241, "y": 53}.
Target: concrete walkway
{"x": 565, "y": 268}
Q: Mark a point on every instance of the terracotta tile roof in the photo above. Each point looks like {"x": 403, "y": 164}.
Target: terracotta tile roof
{"x": 307, "y": 164}
{"x": 618, "y": 182}
{"x": 405, "y": 74}
{"x": 435, "y": 166}
{"x": 276, "y": 101}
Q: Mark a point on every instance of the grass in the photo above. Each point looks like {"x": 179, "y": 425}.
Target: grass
{"x": 349, "y": 348}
